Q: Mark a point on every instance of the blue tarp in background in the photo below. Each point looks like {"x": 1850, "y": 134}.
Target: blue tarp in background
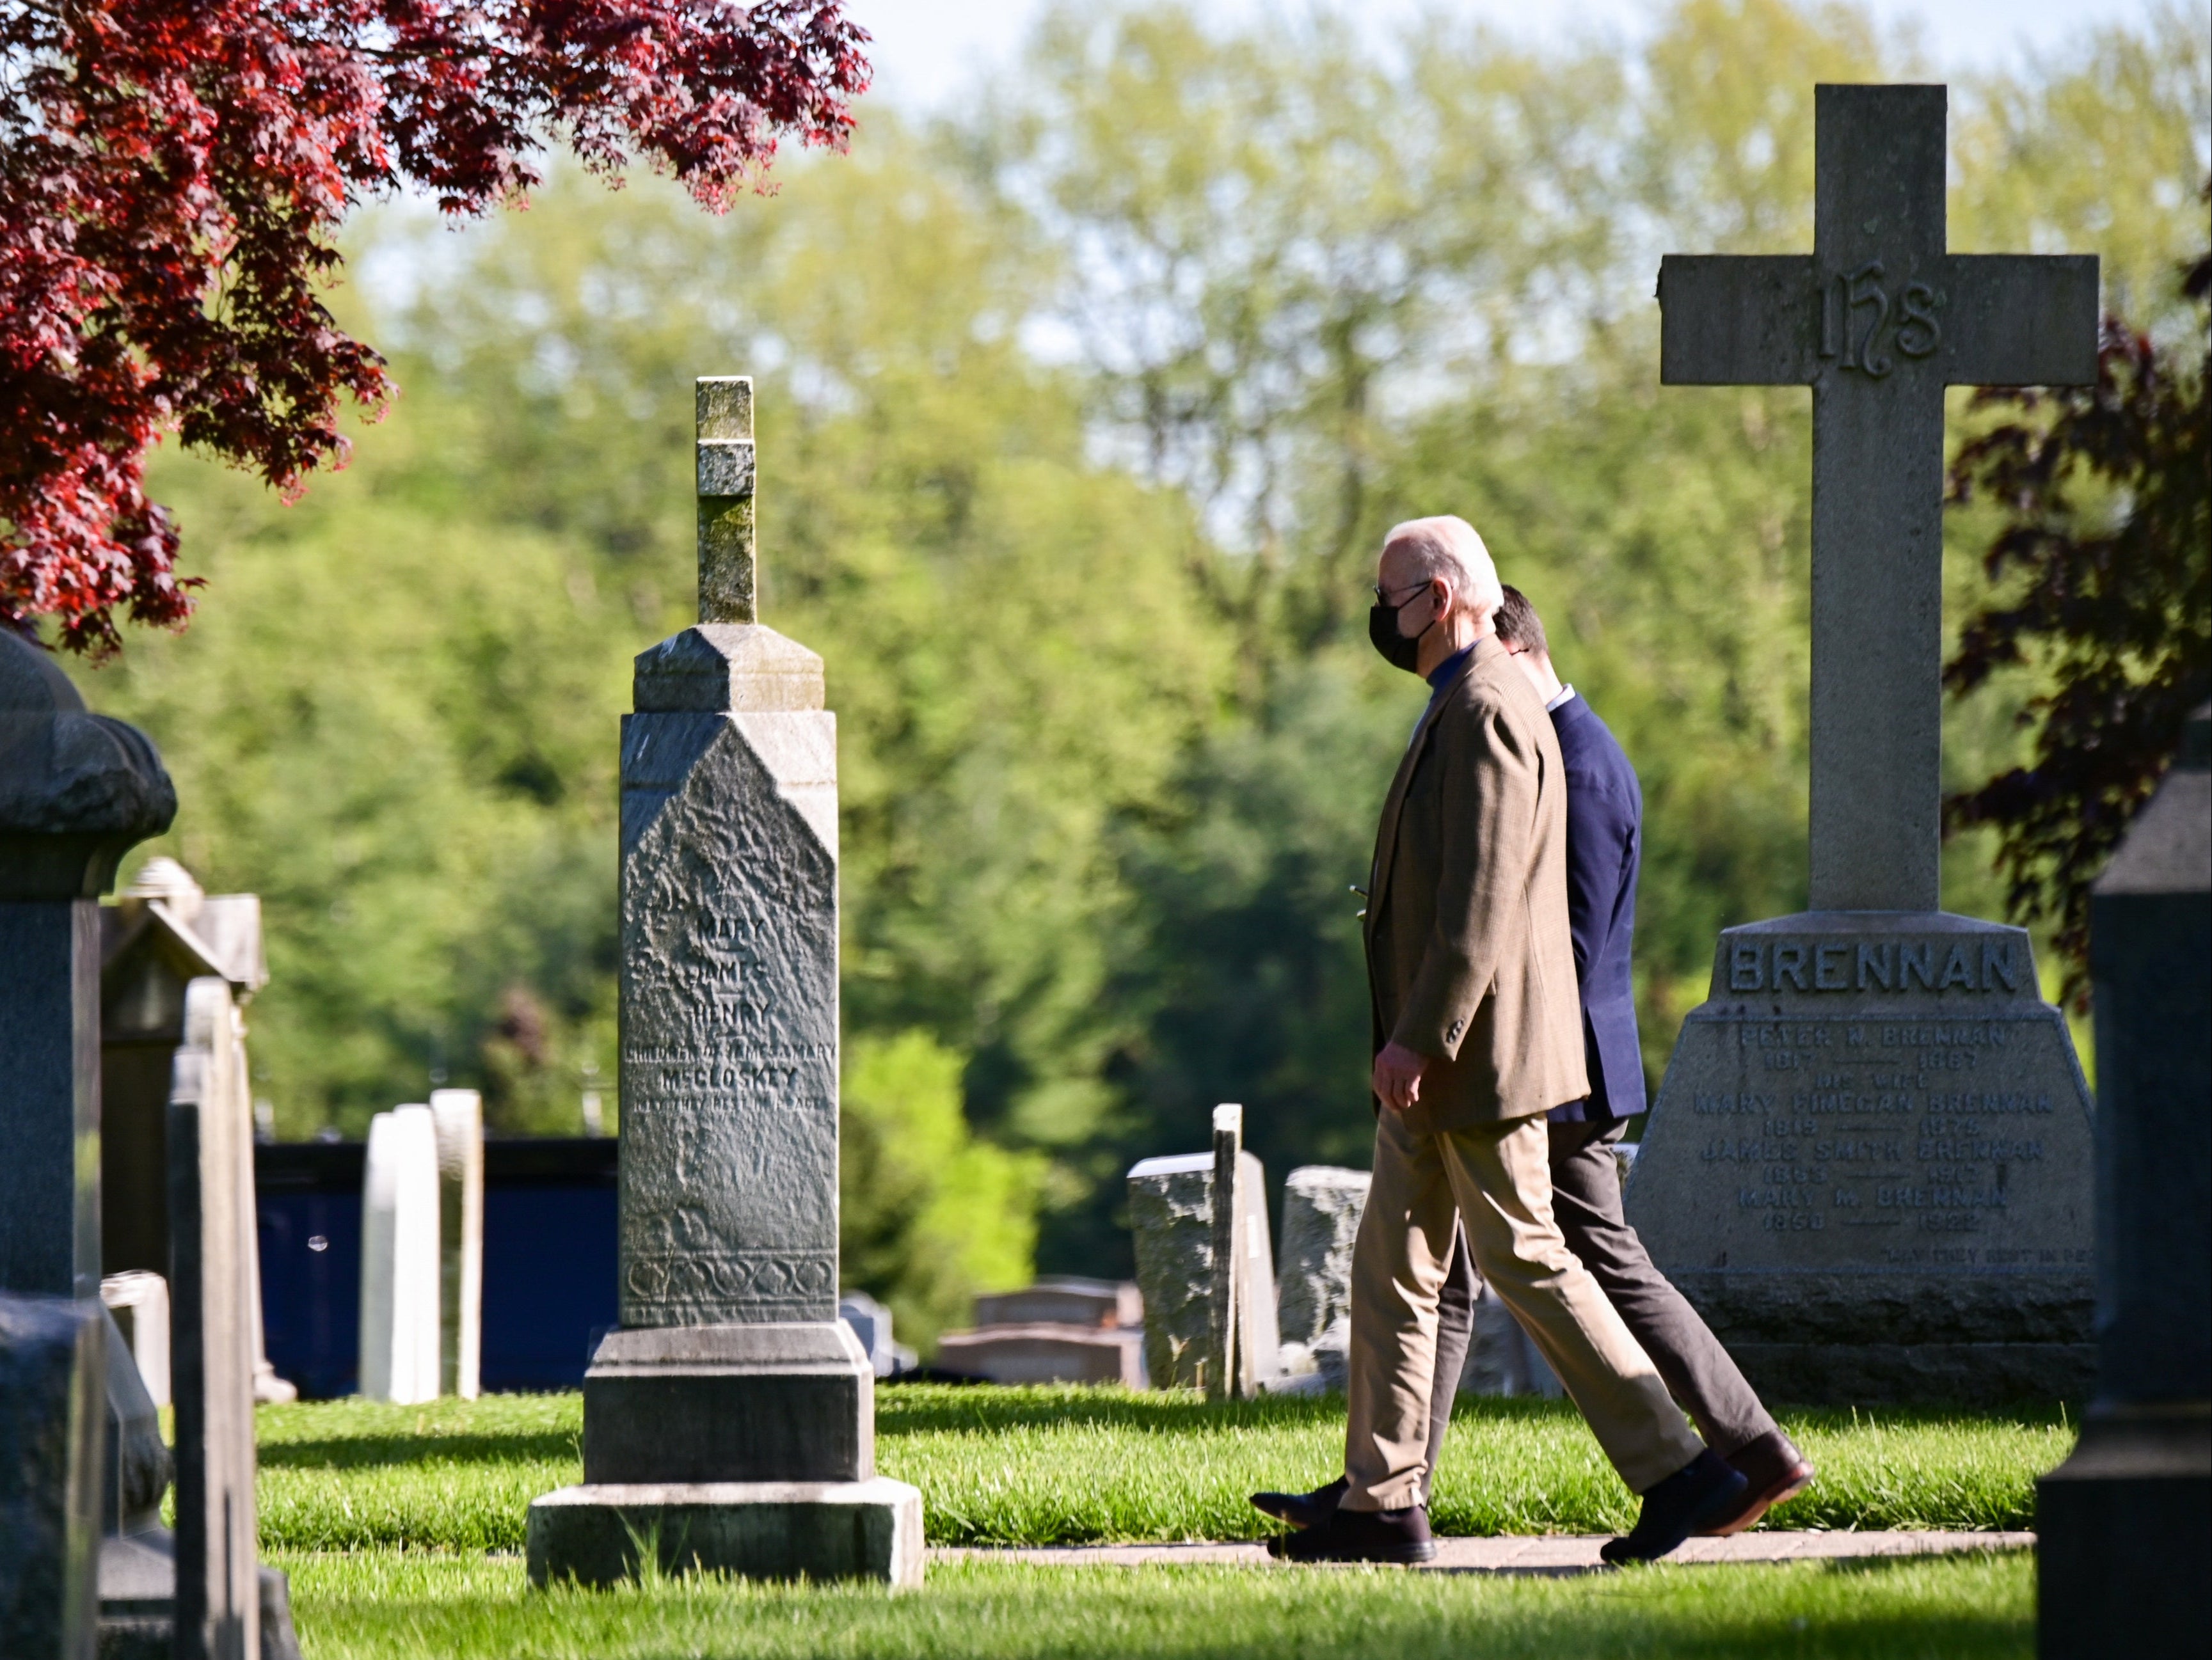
{"x": 548, "y": 1275}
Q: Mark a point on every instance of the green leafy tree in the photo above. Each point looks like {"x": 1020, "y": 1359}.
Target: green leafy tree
{"x": 929, "y": 1213}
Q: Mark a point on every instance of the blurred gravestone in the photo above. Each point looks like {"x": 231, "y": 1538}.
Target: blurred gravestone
{"x": 732, "y": 1416}
{"x": 2124, "y": 1526}
{"x": 1056, "y": 1330}
{"x": 219, "y": 1582}
{"x": 1171, "y": 1214}
{"x": 1322, "y": 1204}
{"x": 162, "y": 933}
{"x": 1065, "y": 1300}
{"x": 457, "y": 1115}
{"x": 50, "y": 1416}
{"x": 872, "y": 1327}
{"x": 77, "y": 791}
{"x": 1867, "y": 1164}
{"x": 400, "y": 1270}
{"x": 139, "y": 1303}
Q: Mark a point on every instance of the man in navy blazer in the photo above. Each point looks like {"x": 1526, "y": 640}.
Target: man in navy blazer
{"x": 1605, "y": 845}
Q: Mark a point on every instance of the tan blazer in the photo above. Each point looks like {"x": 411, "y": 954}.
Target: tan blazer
{"x": 1470, "y": 958}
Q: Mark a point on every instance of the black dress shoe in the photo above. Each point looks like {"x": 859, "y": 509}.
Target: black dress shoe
{"x": 1677, "y": 1508}
{"x": 1302, "y": 1510}
{"x": 1773, "y": 1470}
{"x": 1361, "y": 1536}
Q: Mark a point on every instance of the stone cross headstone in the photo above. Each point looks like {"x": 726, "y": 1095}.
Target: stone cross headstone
{"x": 458, "y": 1117}
{"x": 732, "y": 1416}
{"x": 2123, "y": 1528}
{"x": 51, "y": 1370}
{"x": 400, "y": 1268}
{"x": 1867, "y": 1164}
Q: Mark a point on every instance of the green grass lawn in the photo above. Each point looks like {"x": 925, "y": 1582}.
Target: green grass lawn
{"x": 1071, "y": 1466}
{"x": 384, "y": 1605}
{"x": 401, "y": 1526}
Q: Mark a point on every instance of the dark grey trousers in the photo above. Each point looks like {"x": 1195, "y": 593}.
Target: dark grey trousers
{"x": 1586, "y": 1201}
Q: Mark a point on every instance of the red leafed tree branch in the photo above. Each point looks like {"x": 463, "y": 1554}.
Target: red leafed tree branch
{"x": 172, "y": 177}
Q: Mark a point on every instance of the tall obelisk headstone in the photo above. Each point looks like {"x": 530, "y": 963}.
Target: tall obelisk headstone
{"x": 1869, "y": 1163}
{"x": 732, "y": 1416}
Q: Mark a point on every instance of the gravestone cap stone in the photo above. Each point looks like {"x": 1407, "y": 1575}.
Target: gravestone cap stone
{"x": 78, "y": 790}
{"x": 163, "y": 910}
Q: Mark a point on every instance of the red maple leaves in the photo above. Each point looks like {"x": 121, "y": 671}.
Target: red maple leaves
{"x": 173, "y": 175}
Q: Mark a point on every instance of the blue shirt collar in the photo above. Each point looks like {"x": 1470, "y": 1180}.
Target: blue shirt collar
{"x": 1442, "y": 675}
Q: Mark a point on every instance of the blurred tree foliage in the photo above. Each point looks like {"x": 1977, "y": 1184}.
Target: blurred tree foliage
{"x": 932, "y": 1213}
{"x": 1081, "y": 412}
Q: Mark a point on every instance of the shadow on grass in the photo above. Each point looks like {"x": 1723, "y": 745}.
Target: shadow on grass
{"x": 925, "y": 1409}
{"x": 369, "y": 1451}
{"x": 922, "y": 1411}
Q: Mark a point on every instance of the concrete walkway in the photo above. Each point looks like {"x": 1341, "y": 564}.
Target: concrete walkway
{"x": 1555, "y": 1555}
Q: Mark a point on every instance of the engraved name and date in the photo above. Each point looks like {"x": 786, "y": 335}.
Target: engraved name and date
{"x": 1905, "y": 1126}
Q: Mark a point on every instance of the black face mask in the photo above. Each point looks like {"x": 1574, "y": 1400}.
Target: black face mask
{"x": 1397, "y": 650}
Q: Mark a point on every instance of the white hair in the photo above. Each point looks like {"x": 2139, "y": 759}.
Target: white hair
{"x": 1446, "y": 546}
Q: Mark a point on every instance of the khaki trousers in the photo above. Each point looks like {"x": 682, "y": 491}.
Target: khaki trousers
{"x": 1498, "y": 1178}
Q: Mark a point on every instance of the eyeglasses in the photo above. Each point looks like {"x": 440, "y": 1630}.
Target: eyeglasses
{"x": 1383, "y": 594}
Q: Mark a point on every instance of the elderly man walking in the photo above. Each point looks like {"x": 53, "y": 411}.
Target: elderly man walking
{"x": 1478, "y": 1035}
{"x": 1605, "y": 836}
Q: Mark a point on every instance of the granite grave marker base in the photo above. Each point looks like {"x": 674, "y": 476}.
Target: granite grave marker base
{"x": 599, "y": 1535}
{"x": 742, "y": 1448}
{"x": 1869, "y": 1166}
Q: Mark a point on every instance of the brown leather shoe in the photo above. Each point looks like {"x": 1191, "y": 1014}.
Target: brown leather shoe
{"x": 1773, "y": 1470}
{"x": 1360, "y": 1535}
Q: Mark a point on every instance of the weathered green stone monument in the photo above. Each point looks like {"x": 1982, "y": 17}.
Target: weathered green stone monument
{"x": 1870, "y": 1164}
{"x": 730, "y": 1421}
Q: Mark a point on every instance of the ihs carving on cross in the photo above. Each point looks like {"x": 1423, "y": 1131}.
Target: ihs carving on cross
{"x": 1878, "y": 320}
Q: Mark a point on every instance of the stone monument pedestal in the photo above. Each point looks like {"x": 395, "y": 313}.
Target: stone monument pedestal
{"x": 1869, "y": 1165}
{"x": 746, "y": 1448}
{"x": 596, "y": 1535}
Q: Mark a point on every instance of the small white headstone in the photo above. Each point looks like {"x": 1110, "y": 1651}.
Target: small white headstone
{"x": 459, "y": 1115}
{"x": 871, "y": 1324}
{"x": 140, "y": 1302}
{"x": 399, "y": 1257}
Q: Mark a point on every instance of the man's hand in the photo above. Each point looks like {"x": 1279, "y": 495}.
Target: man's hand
{"x": 1397, "y": 1079}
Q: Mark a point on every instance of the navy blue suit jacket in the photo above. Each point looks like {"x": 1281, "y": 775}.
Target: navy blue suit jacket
{"x": 1604, "y": 843}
